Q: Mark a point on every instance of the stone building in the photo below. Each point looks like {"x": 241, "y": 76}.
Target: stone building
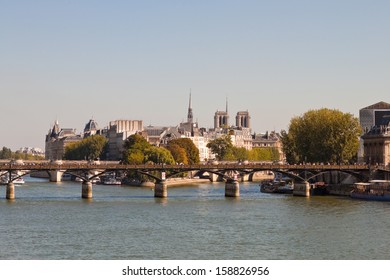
{"x": 376, "y": 143}
{"x": 371, "y": 117}
{"x": 91, "y": 128}
{"x": 221, "y": 118}
{"x": 57, "y": 139}
{"x": 117, "y": 132}
{"x": 243, "y": 119}
{"x": 268, "y": 140}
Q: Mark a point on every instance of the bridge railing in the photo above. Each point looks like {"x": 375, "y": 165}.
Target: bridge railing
{"x": 109, "y": 165}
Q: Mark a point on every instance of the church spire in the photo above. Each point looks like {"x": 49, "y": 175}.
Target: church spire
{"x": 226, "y": 104}
{"x": 190, "y": 117}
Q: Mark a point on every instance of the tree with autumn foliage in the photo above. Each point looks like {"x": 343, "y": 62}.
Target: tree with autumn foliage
{"x": 184, "y": 151}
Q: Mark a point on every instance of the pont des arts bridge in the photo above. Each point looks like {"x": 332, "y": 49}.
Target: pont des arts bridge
{"x": 230, "y": 173}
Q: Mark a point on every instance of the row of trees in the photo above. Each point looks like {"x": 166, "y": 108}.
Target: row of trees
{"x": 139, "y": 151}
{"x": 224, "y": 150}
{"x": 6, "y": 153}
{"x": 91, "y": 147}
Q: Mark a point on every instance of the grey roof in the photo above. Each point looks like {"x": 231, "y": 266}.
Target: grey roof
{"x": 91, "y": 125}
{"x": 379, "y": 105}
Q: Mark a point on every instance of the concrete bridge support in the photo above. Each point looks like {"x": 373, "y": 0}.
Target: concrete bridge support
{"x": 213, "y": 177}
{"x": 302, "y": 189}
{"x": 232, "y": 189}
{"x": 246, "y": 178}
{"x": 10, "y": 191}
{"x": 55, "y": 175}
{"x": 86, "y": 190}
{"x": 161, "y": 189}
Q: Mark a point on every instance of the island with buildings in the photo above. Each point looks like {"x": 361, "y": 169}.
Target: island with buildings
{"x": 374, "y": 143}
{"x": 118, "y": 131}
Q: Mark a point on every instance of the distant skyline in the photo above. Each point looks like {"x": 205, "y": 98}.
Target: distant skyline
{"x": 71, "y": 60}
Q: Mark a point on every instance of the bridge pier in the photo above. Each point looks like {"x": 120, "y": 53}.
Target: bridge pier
{"x": 161, "y": 189}
{"x": 10, "y": 191}
{"x": 246, "y": 178}
{"x": 55, "y": 175}
{"x": 232, "y": 188}
{"x": 302, "y": 189}
{"x": 86, "y": 190}
{"x": 213, "y": 177}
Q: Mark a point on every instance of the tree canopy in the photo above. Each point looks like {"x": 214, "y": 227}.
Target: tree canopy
{"x": 322, "y": 135}
{"x": 222, "y": 147}
{"x": 138, "y": 151}
{"x": 6, "y": 153}
{"x": 184, "y": 151}
{"x": 91, "y": 147}
{"x": 224, "y": 150}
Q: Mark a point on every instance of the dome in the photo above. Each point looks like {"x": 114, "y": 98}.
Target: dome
{"x": 91, "y": 126}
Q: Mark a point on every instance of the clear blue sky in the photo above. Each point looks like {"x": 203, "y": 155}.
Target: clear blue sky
{"x": 75, "y": 59}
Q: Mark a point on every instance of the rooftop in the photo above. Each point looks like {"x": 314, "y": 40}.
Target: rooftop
{"x": 379, "y": 105}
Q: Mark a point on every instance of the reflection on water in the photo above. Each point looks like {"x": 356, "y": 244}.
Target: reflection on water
{"x": 51, "y": 221}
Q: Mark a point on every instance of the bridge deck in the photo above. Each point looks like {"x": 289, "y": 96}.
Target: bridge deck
{"x": 115, "y": 166}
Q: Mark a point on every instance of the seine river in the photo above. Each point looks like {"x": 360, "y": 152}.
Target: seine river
{"x": 51, "y": 221}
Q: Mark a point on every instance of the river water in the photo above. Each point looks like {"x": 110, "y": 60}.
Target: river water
{"x": 51, "y": 221}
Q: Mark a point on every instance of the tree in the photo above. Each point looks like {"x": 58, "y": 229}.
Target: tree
{"x": 91, "y": 147}
{"x": 240, "y": 154}
{"x": 221, "y": 147}
{"x": 137, "y": 142}
{"x": 159, "y": 155}
{"x": 139, "y": 151}
{"x": 5, "y": 153}
{"x": 192, "y": 152}
{"x": 178, "y": 153}
{"x": 264, "y": 154}
{"x": 322, "y": 135}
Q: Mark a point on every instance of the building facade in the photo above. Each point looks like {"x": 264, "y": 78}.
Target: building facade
{"x": 243, "y": 119}
{"x": 376, "y": 143}
{"x": 117, "y": 132}
{"x": 57, "y": 139}
{"x": 269, "y": 140}
{"x": 371, "y": 118}
{"x": 372, "y": 115}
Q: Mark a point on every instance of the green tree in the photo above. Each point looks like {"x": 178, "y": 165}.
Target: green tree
{"x": 192, "y": 152}
{"x": 133, "y": 156}
{"x": 322, "y": 135}
{"x": 221, "y": 147}
{"x": 159, "y": 155}
{"x": 5, "y": 153}
{"x": 91, "y": 147}
{"x": 240, "y": 154}
{"x": 137, "y": 142}
{"x": 138, "y": 151}
{"x": 264, "y": 154}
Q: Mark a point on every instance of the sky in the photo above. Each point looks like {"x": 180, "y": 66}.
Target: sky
{"x": 73, "y": 60}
